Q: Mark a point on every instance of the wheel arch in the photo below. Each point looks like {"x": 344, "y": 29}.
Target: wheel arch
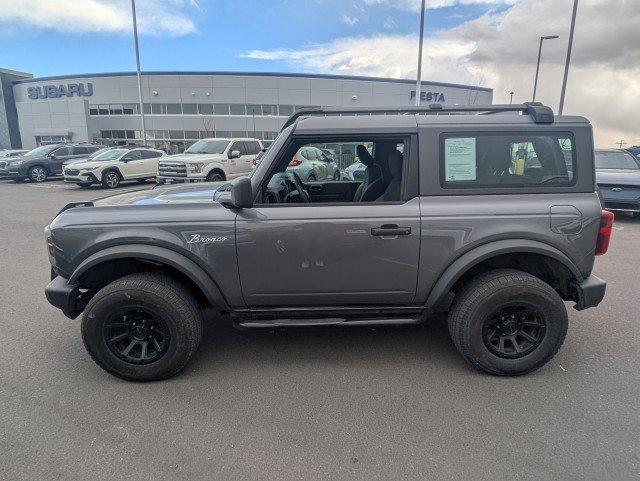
{"x": 537, "y": 258}
{"x": 109, "y": 169}
{"x": 111, "y": 263}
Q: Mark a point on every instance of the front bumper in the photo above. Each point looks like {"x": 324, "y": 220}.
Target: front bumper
{"x": 163, "y": 179}
{"x": 64, "y": 296}
{"x": 590, "y": 292}
{"x": 81, "y": 178}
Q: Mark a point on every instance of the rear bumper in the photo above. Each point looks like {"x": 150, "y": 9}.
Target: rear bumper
{"x": 64, "y": 296}
{"x": 590, "y": 292}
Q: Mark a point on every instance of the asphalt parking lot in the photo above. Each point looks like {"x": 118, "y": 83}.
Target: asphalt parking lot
{"x": 324, "y": 404}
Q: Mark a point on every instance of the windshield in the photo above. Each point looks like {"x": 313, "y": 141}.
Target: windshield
{"x": 40, "y": 151}
{"x": 208, "y": 147}
{"x": 111, "y": 154}
{"x": 98, "y": 152}
{"x": 615, "y": 160}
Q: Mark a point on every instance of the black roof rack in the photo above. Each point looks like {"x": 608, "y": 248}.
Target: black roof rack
{"x": 541, "y": 114}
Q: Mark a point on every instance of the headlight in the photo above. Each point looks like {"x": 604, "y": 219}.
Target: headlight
{"x": 195, "y": 168}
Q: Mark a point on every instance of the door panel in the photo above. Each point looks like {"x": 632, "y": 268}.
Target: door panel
{"x": 327, "y": 255}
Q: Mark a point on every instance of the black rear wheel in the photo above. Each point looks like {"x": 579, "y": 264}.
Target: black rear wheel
{"x": 508, "y": 322}
{"x": 142, "y": 327}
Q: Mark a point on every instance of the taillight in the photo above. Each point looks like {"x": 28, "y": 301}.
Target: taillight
{"x": 295, "y": 162}
{"x": 604, "y": 232}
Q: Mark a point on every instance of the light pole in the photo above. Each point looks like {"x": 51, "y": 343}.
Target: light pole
{"x": 566, "y": 66}
{"x": 535, "y": 83}
{"x": 420, "y": 54}
{"x": 135, "y": 41}
{"x": 622, "y": 143}
{"x": 511, "y": 99}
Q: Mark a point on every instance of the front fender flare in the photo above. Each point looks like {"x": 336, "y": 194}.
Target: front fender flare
{"x": 462, "y": 264}
{"x": 159, "y": 254}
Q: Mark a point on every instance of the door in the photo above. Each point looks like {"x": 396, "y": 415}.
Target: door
{"x": 150, "y": 162}
{"x": 235, "y": 165}
{"x": 340, "y": 253}
{"x": 133, "y": 165}
{"x": 58, "y": 157}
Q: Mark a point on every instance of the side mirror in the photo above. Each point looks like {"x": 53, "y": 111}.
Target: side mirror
{"x": 52, "y": 156}
{"x": 240, "y": 195}
{"x": 234, "y": 154}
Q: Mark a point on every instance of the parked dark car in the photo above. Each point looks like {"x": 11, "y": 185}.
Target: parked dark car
{"x": 46, "y": 161}
{"x": 635, "y": 151}
{"x": 618, "y": 177}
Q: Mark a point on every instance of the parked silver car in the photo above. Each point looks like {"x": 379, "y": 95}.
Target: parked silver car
{"x": 311, "y": 164}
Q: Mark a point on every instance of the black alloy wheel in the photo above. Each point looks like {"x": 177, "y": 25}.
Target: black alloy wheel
{"x": 514, "y": 331}
{"x": 136, "y": 336}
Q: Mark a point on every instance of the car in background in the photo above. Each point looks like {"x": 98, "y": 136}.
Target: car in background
{"x": 635, "y": 151}
{"x": 5, "y": 157}
{"x": 256, "y": 160}
{"x": 114, "y": 166}
{"x": 210, "y": 160}
{"x": 311, "y": 164}
{"x": 618, "y": 177}
{"x": 84, "y": 159}
{"x": 46, "y": 161}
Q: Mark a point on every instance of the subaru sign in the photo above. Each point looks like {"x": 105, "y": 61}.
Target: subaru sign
{"x": 436, "y": 97}
{"x": 57, "y": 91}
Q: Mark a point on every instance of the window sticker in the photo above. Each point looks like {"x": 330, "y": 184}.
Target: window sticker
{"x": 460, "y": 159}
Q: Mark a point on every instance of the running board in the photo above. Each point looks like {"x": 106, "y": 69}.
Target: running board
{"x": 326, "y": 322}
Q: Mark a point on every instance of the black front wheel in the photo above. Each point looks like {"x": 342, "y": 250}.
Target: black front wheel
{"x": 111, "y": 179}
{"x": 508, "y": 322}
{"x": 142, "y": 327}
{"x": 215, "y": 176}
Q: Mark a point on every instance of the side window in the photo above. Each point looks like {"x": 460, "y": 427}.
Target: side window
{"x": 252, "y": 147}
{"x": 339, "y": 171}
{"x": 80, "y": 150}
{"x": 133, "y": 155}
{"x": 515, "y": 160}
{"x": 62, "y": 152}
{"x": 237, "y": 146}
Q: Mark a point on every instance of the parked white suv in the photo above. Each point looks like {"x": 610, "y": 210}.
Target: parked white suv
{"x": 210, "y": 160}
{"x": 113, "y": 166}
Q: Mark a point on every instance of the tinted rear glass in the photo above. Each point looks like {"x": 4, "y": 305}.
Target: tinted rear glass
{"x": 472, "y": 160}
{"x": 615, "y": 160}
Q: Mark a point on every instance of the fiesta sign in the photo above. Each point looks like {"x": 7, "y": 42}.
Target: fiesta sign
{"x": 436, "y": 97}
{"x": 57, "y": 91}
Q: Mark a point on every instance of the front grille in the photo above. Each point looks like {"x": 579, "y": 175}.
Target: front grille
{"x": 72, "y": 171}
{"x": 3, "y": 164}
{"x": 172, "y": 169}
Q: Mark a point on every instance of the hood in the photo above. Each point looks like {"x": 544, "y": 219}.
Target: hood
{"x": 83, "y": 164}
{"x": 191, "y": 157}
{"x": 75, "y": 161}
{"x": 188, "y": 194}
{"x": 618, "y": 176}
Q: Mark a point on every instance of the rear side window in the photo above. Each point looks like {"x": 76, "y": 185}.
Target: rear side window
{"x": 252, "y": 147}
{"x": 475, "y": 160}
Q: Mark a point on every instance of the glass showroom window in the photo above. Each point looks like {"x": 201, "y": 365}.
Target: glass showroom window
{"x": 205, "y": 109}
{"x": 221, "y": 109}
{"x": 93, "y": 110}
{"x": 190, "y": 109}
{"x": 191, "y": 134}
{"x": 129, "y": 109}
{"x": 253, "y": 109}
{"x": 174, "y": 109}
{"x": 237, "y": 109}
{"x": 115, "y": 109}
{"x": 285, "y": 110}
{"x": 269, "y": 110}
{"x": 158, "y": 108}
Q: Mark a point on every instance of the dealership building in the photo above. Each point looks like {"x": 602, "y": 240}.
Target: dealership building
{"x": 182, "y": 107}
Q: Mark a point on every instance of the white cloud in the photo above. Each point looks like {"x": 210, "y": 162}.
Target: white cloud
{"x": 155, "y": 17}
{"x": 351, "y": 21}
{"x": 415, "y": 5}
{"x": 500, "y": 51}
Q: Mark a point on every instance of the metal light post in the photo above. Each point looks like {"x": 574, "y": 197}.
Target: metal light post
{"x": 420, "y": 54}
{"x": 566, "y": 66}
{"x": 511, "y": 99}
{"x": 135, "y": 40}
{"x": 535, "y": 83}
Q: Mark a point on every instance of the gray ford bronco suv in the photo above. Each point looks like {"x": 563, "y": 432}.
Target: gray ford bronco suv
{"x": 487, "y": 213}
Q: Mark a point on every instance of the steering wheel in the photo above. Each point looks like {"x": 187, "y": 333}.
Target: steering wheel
{"x": 304, "y": 195}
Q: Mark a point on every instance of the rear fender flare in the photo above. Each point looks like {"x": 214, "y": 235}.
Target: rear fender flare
{"x": 462, "y": 264}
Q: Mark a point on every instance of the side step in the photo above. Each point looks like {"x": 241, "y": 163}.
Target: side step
{"x": 331, "y": 322}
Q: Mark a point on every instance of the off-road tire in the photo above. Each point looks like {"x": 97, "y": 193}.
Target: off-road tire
{"x": 111, "y": 179}
{"x": 474, "y": 305}
{"x": 215, "y": 176}
{"x": 164, "y": 297}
